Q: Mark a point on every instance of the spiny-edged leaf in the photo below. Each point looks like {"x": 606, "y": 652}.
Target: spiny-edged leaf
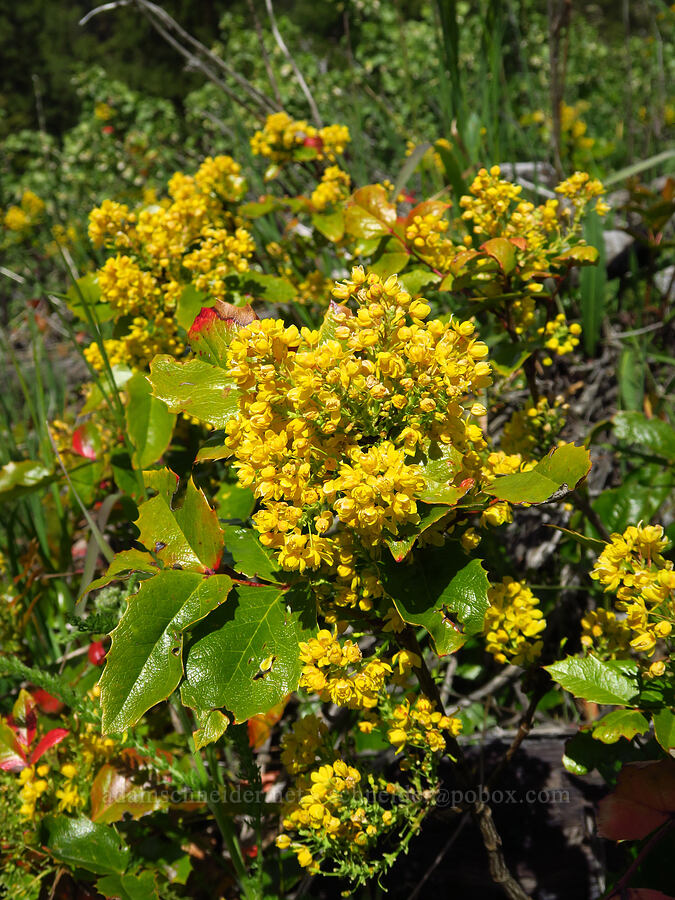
{"x": 439, "y": 469}
{"x": 212, "y": 726}
{"x": 267, "y": 287}
{"x": 441, "y": 592}
{"x": 83, "y": 844}
{"x": 141, "y": 886}
{"x": 644, "y": 798}
{"x": 503, "y": 251}
{"x": 651, "y": 435}
{"x": 249, "y": 555}
{"x": 19, "y": 478}
{"x": 415, "y": 279}
{"x": 234, "y": 501}
{"x": 210, "y": 337}
{"x": 330, "y": 225}
{"x": 213, "y": 448}
{"x": 370, "y": 212}
{"x": 592, "y": 543}
{"x": 389, "y": 264}
{"x": 144, "y": 664}
{"x": 149, "y": 423}
{"x": 187, "y": 535}
{"x": 113, "y": 795}
{"x": 123, "y": 565}
{"x": 620, "y": 723}
{"x": 260, "y": 624}
{"x": 560, "y": 472}
{"x": 194, "y": 387}
{"x": 189, "y": 303}
{"x": 664, "y": 728}
{"x": 589, "y": 678}
{"x": 403, "y": 543}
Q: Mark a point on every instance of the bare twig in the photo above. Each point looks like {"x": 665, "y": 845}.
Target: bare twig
{"x": 298, "y": 74}
{"x": 271, "y": 77}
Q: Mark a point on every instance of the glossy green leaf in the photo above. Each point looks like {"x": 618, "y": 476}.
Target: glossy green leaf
{"x": 389, "y": 264}
{"x": 440, "y": 469}
{"x": 613, "y": 683}
{"x": 212, "y": 726}
{"x": 330, "y": 225}
{"x": 271, "y": 288}
{"x": 149, "y": 423}
{"x": 623, "y": 506}
{"x": 144, "y": 664}
{"x": 141, "y": 886}
{"x": 190, "y": 302}
{"x": 113, "y": 795}
{"x": 19, "y": 478}
{"x": 196, "y": 388}
{"x": 181, "y": 532}
{"x": 249, "y": 555}
{"x": 80, "y": 843}
{"x": 406, "y": 537}
{"x": 651, "y": 435}
{"x": 260, "y": 624}
{"x": 234, "y": 501}
{"x": 620, "y": 723}
{"x": 442, "y": 593}
{"x": 503, "y": 251}
{"x": 370, "y": 213}
{"x": 664, "y": 728}
{"x": 552, "y": 477}
{"x": 123, "y": 565}
{"x": 414, "y": 280}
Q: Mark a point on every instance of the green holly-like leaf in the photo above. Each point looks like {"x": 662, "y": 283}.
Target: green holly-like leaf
{"x": 664, "y": 728}
{"x": 145, "y": 662}
{"x": 80, "y": 843}
{"x": 212, "y": 726}
{"x": 415, "y": 279}
{"x": 330, "y": 225}
{"x": 149, "y": 423}
{"x": 406, "y": 537}
{"x": 213, "y": 448}
{"x": 650, "y": 435}
{"x": 370, "y": 213}
{"x": 443, "y": 593}
{"x": 182, "y": 533}
{"x": 620, "y": 723}
{"x": 19, "y": 478}
{"x": 389, "y": 264}
{"x": 196, "y": 388}
{"x": 440, "y": 469}
{"x": 141, "y": 886}
{"x": 259, "y": 624}
{"x": 613, "y": 683}
{"x": 125, "y": 564}
{"x": 249, "y": 555}
{"x": 560, "y": 472}
{"x": 114, "y": 795}
{"x": 271, "y": 288}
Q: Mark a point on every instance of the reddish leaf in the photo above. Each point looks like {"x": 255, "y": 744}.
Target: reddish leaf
{"x": 113, "y": 795}
{"x": 644, "y": 798}
{"x": 12, "y": 757}
{"x": 24, "y": 719}
{"x": 53, "y": 737}
{"x": 46, "y": 703}
{"x": 83, "y": 442}
{"x": 502, "y": 250}
{"x": 260, "y": 726}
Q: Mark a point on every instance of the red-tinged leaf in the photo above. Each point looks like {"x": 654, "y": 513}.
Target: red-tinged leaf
{"x": 113, "y": 795}
{"x": 214, "y": 327}
{"x": 46, "y": 703}
{"x": 519, "y": 242}
{"x": 24, "y": 718}
{"x": 370, "y": 213}
{"x": 426, "y": 208}
{"x": 502, "y": 250}
{"x": 644, "y": 798}
{"x": 83, "y": 442}
{"x": 461, "y": 259}
{"x": 53, "y": 737}
{"x": 260, "y": 726}
{"x": 12, "y": 757}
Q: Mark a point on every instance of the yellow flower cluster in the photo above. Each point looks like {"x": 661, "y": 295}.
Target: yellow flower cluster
{"x": 559, "y": 337}
{"x": 512, "y": 622}
{"x": 426, "y": 234}
{"x": 325, "y": 794}
{"x": 30, "y": 211}
{"x": 32, "y": 788}
{"x": 580, "y": 189}
{"x": 333, "y": 187}
{"x": 282, "y": 137}
{"x": 327, "y": 420}
{"x": 601, "y": 630}
{"x": 421, "y": 726}
{"x": 191, "y": 236}
{"x": 338, "y": 673}
{"x": 533, "y": 430}
{"x": 299, "y": 748}
{"x": 633, "y": 567}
